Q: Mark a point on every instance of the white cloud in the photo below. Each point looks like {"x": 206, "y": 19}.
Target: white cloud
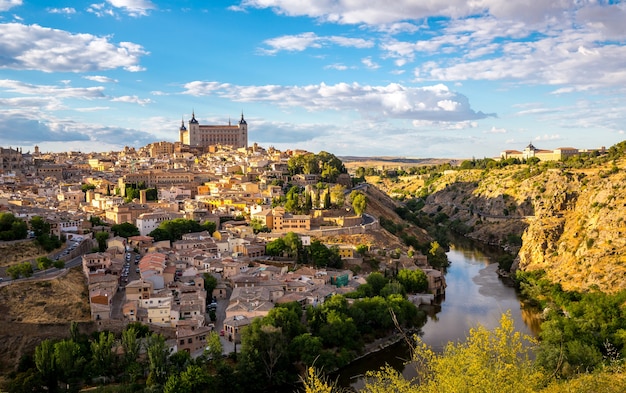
{"x": 303, "y": 41}
{"x": 65, "y": 10}
{"x": 6, "y": 5}
{"x": 389, "y": 12}
{"x": 32, "y": 47}
{"x": 435, "y": 103}
{"x": 100, "y": 79}
{"x": 133, "y": 7}
{"x": 93, "y": 109}
{"x": 48, "y": 90}
{"x": 132, "y": 100}
{"x": 100, "y": 10}
{"x": 336, "y": 66}
{"x": 369, "y": 63}
{"x": 495, "y": 130}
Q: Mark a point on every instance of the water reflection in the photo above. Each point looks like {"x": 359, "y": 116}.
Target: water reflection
{"x": 475, "y": 295}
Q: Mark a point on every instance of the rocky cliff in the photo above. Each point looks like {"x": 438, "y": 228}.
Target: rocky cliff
{"x": 571, "y": 222}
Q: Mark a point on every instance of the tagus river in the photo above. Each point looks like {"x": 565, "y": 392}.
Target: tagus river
{"x": 475, "y": 295}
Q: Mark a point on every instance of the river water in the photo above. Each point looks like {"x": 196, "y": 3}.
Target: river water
{"x": 475, "y": 295}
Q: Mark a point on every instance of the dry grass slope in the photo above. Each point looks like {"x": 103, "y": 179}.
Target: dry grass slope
{"x": 59, "y": 300}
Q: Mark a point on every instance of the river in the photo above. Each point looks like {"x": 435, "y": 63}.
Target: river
{"x": 475, "y": 295}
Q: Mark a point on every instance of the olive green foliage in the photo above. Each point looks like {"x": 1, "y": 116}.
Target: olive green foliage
{"x": 488, "y": 361}
{"x": 23, "y": 269}
{"x": 358, "y": 201}
{"x": 210, "y": 283}
{"x": 581, "y": 331}
{"x": 414, "y": 281}
{"x": 257, "y": 226}
{"x": 175, "y": 229}
{"x": 322, "y": 256}
{"x": 12, "y": 228}
{"x": 87, "y": 186}
{"x": 133, "y": 192}
{"x": 43, "y": 263}
{"x": 125, "y": 229}
{"x": 276, "y": 247}
{"x": 324, "y": 164}
{"x": 101, "y": 238}
{"x": 41, "y": 228}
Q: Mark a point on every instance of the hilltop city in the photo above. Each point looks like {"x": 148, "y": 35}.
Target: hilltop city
{"x": 242, "y": 198}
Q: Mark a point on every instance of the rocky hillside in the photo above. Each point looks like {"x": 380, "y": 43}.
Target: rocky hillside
{"x": 570, "y": 221}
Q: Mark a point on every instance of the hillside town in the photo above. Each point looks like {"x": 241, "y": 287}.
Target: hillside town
{"x": 162, "y": 282}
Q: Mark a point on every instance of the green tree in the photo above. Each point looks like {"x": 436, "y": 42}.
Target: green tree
{"x": 102, "y": 357}
{"x": 39, "y": 226}
{"x": 87, "y": 186}
{"x": 488, "y": 361}
{"x": 414, "y": 281}
{"x": 159, "y": 234}
{"x": 210, "y": 282}
{"x": 266, "y": 347}
{"x": 12, "y": 228}
{"x": 359, "y": 203}
{"x": 362, "y": 249}
{"x": 377, "y": 281}
{"x": 213, "y": 348}
{"x": 130, "y": 344}
{"x": 68, "y": 360}
{"x": 125, "y": 229}
{"x": 157, "y": 360}
{"x": 45, "y": 363}
{"x": 101, "y": 238}
{"x": 43, "y": 263}
{"x": 337, "y": 195}
{"x": 276, "y": 247}
{"x": 392, "y": 288}
{"x": 327, "y": 201}
{"x": 293, "y": 244}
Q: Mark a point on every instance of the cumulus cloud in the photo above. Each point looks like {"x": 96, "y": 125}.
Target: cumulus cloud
{"x": 386, "y": 13}
{"x": 32, "y": 47}
{"x": 6, "y": 5}
{"x": 435, "y": 102}
{"x": 303, "y": 41}
{"x": 134, "y": 8}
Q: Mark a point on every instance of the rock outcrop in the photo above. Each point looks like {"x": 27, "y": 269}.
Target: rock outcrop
{"x": 571, "y": 222}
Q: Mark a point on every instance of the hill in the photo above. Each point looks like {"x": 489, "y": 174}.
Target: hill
{"x": 33, "y": 310}
{"x": 565, "y": 218}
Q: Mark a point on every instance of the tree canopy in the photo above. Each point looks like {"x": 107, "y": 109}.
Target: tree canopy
{"x": 175, "y": 229}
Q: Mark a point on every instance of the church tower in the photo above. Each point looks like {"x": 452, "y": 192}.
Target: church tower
{"x": 243, "y": 132}
{"x": 183, "y": 133}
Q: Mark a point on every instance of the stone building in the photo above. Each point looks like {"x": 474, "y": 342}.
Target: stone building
{"x": 202, "y": 136}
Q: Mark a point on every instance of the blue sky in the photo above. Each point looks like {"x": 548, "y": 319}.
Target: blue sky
{"x": 441, "y": 78}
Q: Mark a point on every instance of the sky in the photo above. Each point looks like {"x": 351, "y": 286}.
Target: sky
{"x": 407, "y": 78}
